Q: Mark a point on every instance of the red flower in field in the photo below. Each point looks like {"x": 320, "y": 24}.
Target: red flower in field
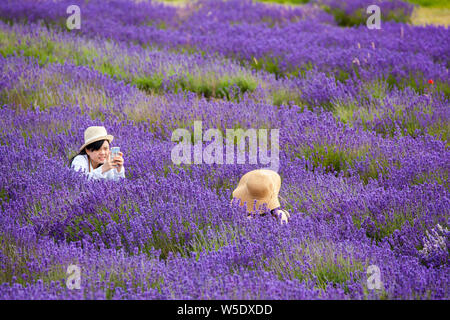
{"x": 431, "y": 81}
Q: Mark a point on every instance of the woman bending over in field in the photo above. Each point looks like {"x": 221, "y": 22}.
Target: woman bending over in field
{"x": 261, "y": 187}
{"x": 93, "y": 158}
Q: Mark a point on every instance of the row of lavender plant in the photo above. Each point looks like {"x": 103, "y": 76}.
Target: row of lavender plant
{"x": 307, "y": 135}
{"x": 111, "y": 274}
{"x": 398, "y": 53}
{"x": 353, "y": 12}
{"x": 140, "y": 216}
{"x": 370, "y": 104}
{"x": 151, "y": 70}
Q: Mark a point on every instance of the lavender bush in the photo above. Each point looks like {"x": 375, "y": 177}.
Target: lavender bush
{"x": 353, "y": 12}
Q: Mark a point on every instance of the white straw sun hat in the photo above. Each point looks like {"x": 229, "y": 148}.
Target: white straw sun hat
{"x": 95, "y": 133}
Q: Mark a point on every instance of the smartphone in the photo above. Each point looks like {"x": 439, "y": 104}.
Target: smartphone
{"x": 114, "y": 152}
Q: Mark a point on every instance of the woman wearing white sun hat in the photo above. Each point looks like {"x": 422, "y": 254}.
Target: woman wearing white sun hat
{"x": 262, "y": 186}
{"x": 93, "y": 157}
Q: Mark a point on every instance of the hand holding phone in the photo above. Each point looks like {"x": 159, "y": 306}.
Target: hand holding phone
{"x": 116, "y": 158}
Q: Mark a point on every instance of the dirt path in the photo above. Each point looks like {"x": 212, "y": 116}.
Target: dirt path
{"x": 435, "y": 16}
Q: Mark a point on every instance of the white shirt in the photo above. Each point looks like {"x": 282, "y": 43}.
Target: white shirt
{"x": 80, "y": 162}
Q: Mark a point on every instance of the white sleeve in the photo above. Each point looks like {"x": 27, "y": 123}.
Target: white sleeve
{"x": 79, "y": 163}
{"x": 96, "y": 174}
{"x": 119, "y": 175}
{"x": 114, "y": 175}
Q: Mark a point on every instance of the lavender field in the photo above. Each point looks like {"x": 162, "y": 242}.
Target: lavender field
{"x": 364, "y": 135}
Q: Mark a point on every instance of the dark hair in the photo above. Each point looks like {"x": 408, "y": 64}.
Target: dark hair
{"x": 92, "y": 146}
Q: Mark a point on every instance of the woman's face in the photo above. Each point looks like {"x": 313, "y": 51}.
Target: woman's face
{"x": 99, "y": 156}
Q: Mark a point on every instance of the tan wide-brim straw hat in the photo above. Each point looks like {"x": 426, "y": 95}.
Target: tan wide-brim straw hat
{"x": 95, "y": 133}
{"x": 262, "y": 185}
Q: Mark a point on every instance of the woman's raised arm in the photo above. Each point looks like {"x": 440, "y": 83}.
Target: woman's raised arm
{"x": 80, "y": 163}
